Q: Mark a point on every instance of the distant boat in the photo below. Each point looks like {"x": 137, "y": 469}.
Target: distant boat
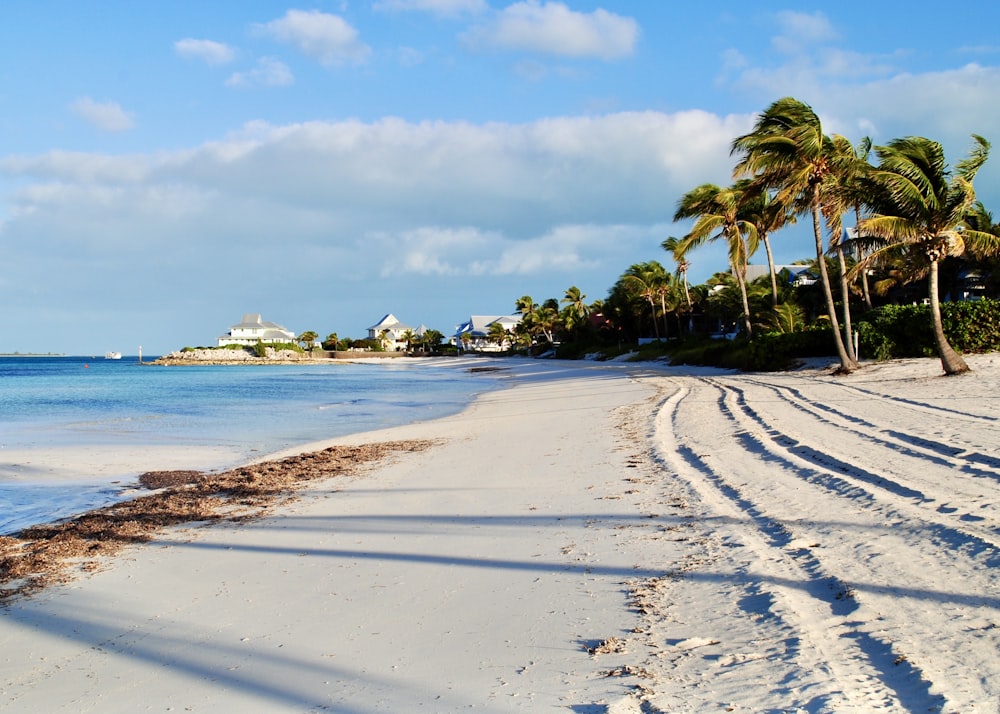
{"x": 112, "y": 355}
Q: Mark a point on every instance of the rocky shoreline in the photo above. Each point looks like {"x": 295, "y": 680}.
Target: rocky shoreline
{"x": 235, "y": 356}
{"x": 272, "y": 356}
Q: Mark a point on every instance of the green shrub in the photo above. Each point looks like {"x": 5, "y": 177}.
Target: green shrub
{"x": 774, "y": 351}
{"x": 972, "y": 325}
{"x": 705, "y": 351}
{"x": 896, "y": 331}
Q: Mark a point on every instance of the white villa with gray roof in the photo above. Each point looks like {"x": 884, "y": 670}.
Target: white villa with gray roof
{"x": 252, "y": 329}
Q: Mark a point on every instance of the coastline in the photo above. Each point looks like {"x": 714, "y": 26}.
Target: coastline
{"x": 594, "y": 538}
{"x": 217, "y": 599}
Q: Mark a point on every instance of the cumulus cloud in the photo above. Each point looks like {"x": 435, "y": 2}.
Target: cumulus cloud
{"x": 107, "y": 116}
{"x": 207, "y": 51}
{"x": 405, "y": 213}
{"x": 445, "y": 8}
{"x": 552, "y": 28}
{"x": 327, "y": 38}
{"x": 268, "y": 72}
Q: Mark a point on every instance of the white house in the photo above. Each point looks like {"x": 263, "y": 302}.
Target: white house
{"x": 252, "y": 329}
{"x": 390, "y": 332}
{"x": 477, "y": 327}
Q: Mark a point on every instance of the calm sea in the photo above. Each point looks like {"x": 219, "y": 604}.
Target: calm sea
{"x": 81, "y": 402}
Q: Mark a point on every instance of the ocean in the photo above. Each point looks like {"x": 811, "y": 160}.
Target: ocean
{"x": 91, "y": 404}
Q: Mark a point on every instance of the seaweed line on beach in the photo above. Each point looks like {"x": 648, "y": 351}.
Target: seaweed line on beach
{"x": 54, "y": 553}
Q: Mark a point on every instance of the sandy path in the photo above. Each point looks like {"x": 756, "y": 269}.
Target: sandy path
{"x": 850, "y": 543}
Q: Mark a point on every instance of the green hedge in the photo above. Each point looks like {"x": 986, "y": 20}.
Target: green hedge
{"x": 896, "y": 331}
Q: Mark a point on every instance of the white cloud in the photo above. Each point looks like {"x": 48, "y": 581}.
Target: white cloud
{"x": 806, "y": 56}
{"x": 269, "y": 72}
{"x": 107, "y": 116}
{"x": 437, "y": 218}
{"x": 205, "y": 50}
{"x": 327, "y": 38}
{"x": 801, "y": 30}
{"x": 444, "y": 8}
{"x": 554, "y": 29}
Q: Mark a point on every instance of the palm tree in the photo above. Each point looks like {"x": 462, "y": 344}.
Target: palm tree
{"x": 767, "y": 216}
{"x": 920, "y": 207}
{"x": 432, "y": 339}
{"x": 497, "y": 333}
{"x": 672, "y": 246}
{"x": 574, "y": 315}
{"x": 717, "y": 215}
{"x": 788, "y": 152}
{"x": 547, "y": 319}
{"x": 307, "y": 339}
{"x": 408, "y": 338}
{"x": 525, "y": 305}
{"x": 854, "y": 185}
{"x": 647, "y": 278}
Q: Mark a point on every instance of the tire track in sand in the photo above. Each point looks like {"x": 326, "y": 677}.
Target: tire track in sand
{"x": 785, "y": 584}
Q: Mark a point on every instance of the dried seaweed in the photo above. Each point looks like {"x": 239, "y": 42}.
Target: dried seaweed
{"x": 53, "y": 553}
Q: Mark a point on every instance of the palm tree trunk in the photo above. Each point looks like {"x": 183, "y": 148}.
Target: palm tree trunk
{"x": 687, "y": 299}
{"x": 951, "y": 361}
{"x": 847, "y": 365}
{"x": 865, "y": 290}
{"x": 770, "y": 268}
{"x": 652, "y": 309}
{"x": 666, "y": 323}
{"x": 741, "y": 280}
{"x": 845, "y": 293}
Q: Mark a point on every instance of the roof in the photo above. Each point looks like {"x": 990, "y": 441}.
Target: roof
{"x": 253, "y": 320}
{"x": 480, "y": 324}
{"x": 389, "y": 322}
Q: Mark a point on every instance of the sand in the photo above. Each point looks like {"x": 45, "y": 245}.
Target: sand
{"x": 591, "y": 539}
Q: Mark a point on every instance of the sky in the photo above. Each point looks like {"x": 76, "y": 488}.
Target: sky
{"x": 166, "y": 167}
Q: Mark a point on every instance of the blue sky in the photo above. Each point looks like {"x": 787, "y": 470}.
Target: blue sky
{"x": 166, "y": 167}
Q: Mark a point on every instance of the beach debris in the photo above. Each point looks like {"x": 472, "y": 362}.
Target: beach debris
{"x": 49, "y": 554}
{"x": 612, "y": 645}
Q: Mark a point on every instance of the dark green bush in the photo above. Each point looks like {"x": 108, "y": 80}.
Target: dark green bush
{"x": 973, "y": 325}
{"x": 776, "y": 351}
{"x": 896, "y": 331}
{"x": 728, "y": 354}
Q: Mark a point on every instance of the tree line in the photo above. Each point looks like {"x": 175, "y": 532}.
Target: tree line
{"x": 914, "y": 218}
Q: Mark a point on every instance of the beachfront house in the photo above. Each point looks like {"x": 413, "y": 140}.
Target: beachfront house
{"x": 474, "y": 334}
{"x": 252, "y": 329}
{"x": 390, "y": 333}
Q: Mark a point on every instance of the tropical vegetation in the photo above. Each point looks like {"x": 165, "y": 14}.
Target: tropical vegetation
{"x": 914, "y": 220}
{"x": 905, "y": 263}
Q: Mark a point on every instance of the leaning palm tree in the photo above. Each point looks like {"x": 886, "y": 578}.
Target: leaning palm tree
{"x": 717, "y": 216}
{"x": 920, "y": 207}
{"x": 671, "y": 245}
{"x": 846, "y": 193}
{"x": 767, "y": 215}
{"x": 788, "y": 152}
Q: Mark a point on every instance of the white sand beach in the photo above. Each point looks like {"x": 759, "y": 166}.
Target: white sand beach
{"x": 594, "y": 538}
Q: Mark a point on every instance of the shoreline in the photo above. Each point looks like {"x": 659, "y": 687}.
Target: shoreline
{"x": 641, "y": 539}
{"x": 435, "y": 560}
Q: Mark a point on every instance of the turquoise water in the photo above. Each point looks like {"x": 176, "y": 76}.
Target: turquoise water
{"x": 48, "y": 402}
